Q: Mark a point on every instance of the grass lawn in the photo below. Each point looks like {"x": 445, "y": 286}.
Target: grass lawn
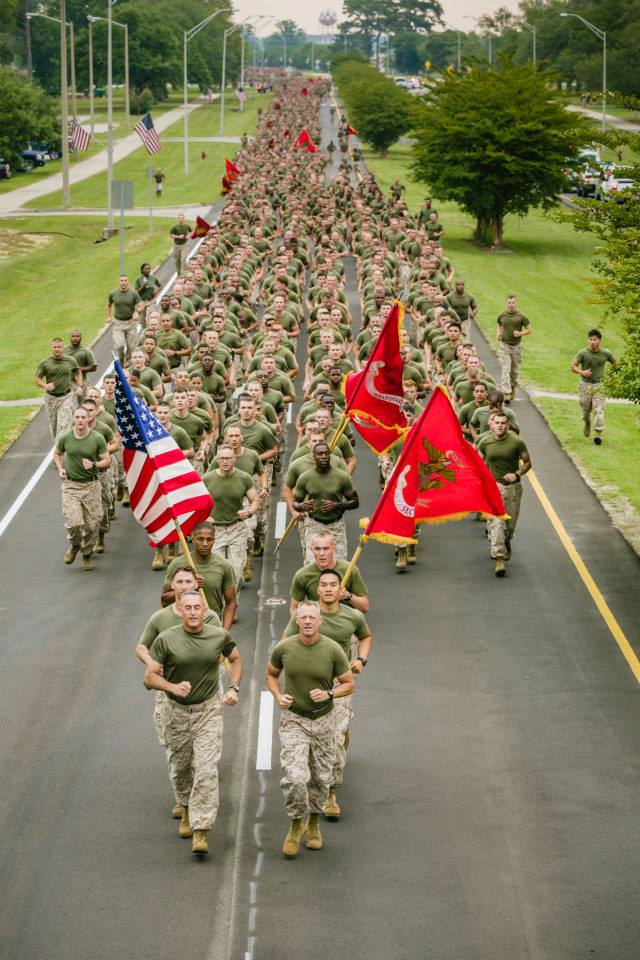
{"x": 202, "y": 185}
{"x": 55, "y": 278}
{"x": 611, "y": 479}
{"x": 546, "y": 264}
{"x": 13, "y": 420}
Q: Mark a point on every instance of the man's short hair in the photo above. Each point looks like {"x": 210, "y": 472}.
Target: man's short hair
{"x": 308, "y": 603}
{"x": 332, "y": 572}
{"x": 204, "y": 525}
{"x": 184, "y": 569}
{"x": 595, "y": 333}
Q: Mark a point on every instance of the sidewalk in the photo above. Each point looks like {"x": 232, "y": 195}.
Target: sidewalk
{"x": 11, "y": 203}
{"x": 611, "y": 121}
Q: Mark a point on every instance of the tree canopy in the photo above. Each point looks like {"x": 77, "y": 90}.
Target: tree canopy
{"x": 26, "y": 113}
{"x": 379, "y": 109}
{"x": 496, "y": 142}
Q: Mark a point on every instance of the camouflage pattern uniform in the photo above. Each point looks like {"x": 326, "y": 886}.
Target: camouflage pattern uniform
{"x": 307, "y": 755}
{"x": 60, "y": 413}
{"x": 158, "y": 707}
{"x": 339, "y": 530}
{"x": 343, "y": 709}
{"x": 231, "y": 544}
{"x": 193, "y": 737}
{"x": 502, "y": 530}
{"x": 592, "y": 402}
{"x": 125, "y": 334}
{"x": 82, "y": 512}
{"x": 510, "y": 357}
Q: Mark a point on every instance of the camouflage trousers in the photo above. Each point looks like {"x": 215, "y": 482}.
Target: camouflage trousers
{"x": 338, "y": 529}
{"x": 510, "y": 359}
{"x": 125, "y": 335}
{"x": 502, "y": 530}
{"x": 106, "y": 494}
{"x": 158, "y": 706}
{"x": 82, "y": 512}
{"x": 193, "y": 738}
{"x": 261, "y": 516}
{"x": 343, "y": 709}
{"x": 307, "y": 756}
{"x": 60, "y": 413}
{"x": 231, "y": 543}
{"x": 592, "y": 402}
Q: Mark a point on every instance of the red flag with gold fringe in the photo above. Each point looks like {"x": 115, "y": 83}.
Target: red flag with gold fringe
{"x": 376, "y": 392}
{"x": 201, "y": 228}
{"x": 439, "y": 476}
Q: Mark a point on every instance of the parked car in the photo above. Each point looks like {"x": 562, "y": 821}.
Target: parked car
{"x": 5, "y": 169}
{"x": 402, "y": 82}
{"x": 588, "y": 179}
{"x": 614, "y": 184}
{"x": 48, "y": 151}
{"x": 32, "y": 159}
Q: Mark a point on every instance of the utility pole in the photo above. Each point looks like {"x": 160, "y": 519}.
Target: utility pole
{"x": 64, "y": 107}
{"x": 91, "y": 102}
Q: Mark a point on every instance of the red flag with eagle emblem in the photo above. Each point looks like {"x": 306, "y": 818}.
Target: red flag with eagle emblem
{"x": 439, "y": 476}
{"x": 375, "y": 395}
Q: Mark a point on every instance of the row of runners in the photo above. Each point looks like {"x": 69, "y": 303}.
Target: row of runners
{"x": 218, "y": 361}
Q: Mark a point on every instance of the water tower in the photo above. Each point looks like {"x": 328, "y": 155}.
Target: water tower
{"x": 328, "y": 20}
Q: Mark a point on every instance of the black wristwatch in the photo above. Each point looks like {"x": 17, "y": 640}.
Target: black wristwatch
{"x": 234, "y": 686}
{"x": 330, "y": 694}
{"x": 363, "y": 660}
{"x": 349, "y": 596}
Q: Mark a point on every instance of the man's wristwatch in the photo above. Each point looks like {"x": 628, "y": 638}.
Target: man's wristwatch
{"x": 349, "y": 596}
{"x": 330, "y": 694}
{"x": 234, "y": 686}
{"x": 363, "y": 660}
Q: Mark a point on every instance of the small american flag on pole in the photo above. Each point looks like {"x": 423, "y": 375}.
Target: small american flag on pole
{"x": 240, "y": 94}
{"x": 80, "y": 137}
{"x": 147, "y": 133}
{"x": 164, "y": 489}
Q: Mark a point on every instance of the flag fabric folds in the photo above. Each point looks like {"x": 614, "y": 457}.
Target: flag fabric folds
{"x": 164, "y": 489}
{"x": 147, "y": 133}
{"x": 227, "y": 186}
{"x": 201, "y": 228}
{"x": 380, "y": 439}
{"x": 351, "y": 131}
{"x": 376, "y": 391}
{"x": 232, "y": 170}
{"x": 240, "y": 94}
{"x": 80, "y": 137}
{"x": 304, "y": 140}
{"x": 439, "y": 476}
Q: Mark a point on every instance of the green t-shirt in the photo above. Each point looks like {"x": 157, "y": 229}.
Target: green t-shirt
{"x": 257, "y": 436}
{"x": 166, "y": 618}
{"x": 149, "y": 378}
{"x": 502, "y": 456}
{"x": 298, "y": 466}
{"x": 180, "y": 233}
{"x": 124, "y": 303}
{"x": 193, "y": 426}
{"x": 146, "y": 286}
{"x": 480, "y": 418}
{"x": 228, "y": 493}
{"x": 340, "y": 626}
{"x": 462, "y": 303}
{"x": 217, "y": 574}
{"x": 304, "y": 585}
{"x": 463, "y": 388}
{"x": 82, "y": 355}
{"x": 248, "y": 462}
{"x": 309, "y": 667}
{"x": 93, "y": 447}
{"x": 510, "y": 322}
{"x": 333, "y": 485}
{"x": 173, "y": 340}
{"x": 180, "y": 436}
{"x": 192, "y": 657}
{"x": 61, "y": 371}
{"x": 594, "y": 360}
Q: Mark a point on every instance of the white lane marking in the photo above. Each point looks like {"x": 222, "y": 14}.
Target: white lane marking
{"x": 35, "y": 477}
{"x": 281, "y": 519}
{"x": 290, "y": 413}
{"x": 265, "y": 732}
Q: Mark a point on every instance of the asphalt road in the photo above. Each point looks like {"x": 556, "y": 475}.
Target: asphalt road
{"x": 491, "y": 798}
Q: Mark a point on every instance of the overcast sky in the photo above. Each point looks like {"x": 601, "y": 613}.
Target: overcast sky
{"x": 306, "y": 13}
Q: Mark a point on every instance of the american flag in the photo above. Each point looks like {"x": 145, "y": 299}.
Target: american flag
{"x": 164, "y": 489}
{"x": 147, "y": 133}
{"x": 240, "y": 94}
{"x": 80, "y": 137}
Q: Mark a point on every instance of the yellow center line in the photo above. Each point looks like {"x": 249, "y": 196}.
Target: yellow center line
{"x": 604, "y": 609}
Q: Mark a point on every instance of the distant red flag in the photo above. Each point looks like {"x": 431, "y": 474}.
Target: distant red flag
{"x": 271, "y": 144}
{"x": 304, "y": 92}
{"x": 376, "y": 391}
{"x": 286, "y": 134}
{"x": 303, "y": 139}
{"x": 439, "y": 476}
{"x": 227, "y": 186}
{"x": 201, "y": 228}
{"x": 351, "y": 131}
{"x": 233, "y": 171}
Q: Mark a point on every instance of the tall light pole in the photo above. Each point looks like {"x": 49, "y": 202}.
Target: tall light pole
{"x": 91, "y": 93}
{"x": 110, "y": 220}
{"x": 533, "y": 32}
{"x": 60, "y": 20}
{"x": 603, "y": 36}
{"x": 189, "y": 35}
{"x": 227, "y": 33}
{"x": 66, "y": 193}
{"x": 127, "y": 92}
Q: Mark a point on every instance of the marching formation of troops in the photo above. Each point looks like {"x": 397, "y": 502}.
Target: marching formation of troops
{"x": 219, "y": 359}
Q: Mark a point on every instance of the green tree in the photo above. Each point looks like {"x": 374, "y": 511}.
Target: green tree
{"x": 495, "y": 141}
{"x": 379, "y": 109}
{"x": 26, "y": 113}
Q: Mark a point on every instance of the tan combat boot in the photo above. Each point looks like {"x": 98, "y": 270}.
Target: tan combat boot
{"x": 401, "y": 558}
{"x": 71, "y": 553}
{"x": 99, "y": 548}
{"x": 87, "y": 562}
{"x": 158, "y": 561}
{"x": 411, "y": 554}
{"x": 314, "y": 837}
{"x": 331, "y": 808}
{"x": 291, "y": 845}
{"x": 125, "y": 498}
{"x": 247, "y": 574}
{"x": 500, "y": 568}
{"x": 199, "y": 844}
{"x": 185, "y": 827}
{"x": 177, "y": 810}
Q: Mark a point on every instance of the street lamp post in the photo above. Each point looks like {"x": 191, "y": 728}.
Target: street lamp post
{"x": 189, "y": 35}
{"x": 127, "y": 92}
{"x": 227, "y": 33}
{"x": 69, "y": 24}
{"x": 91, "y": 93}
{"x": 533, "y": 32}
{"x": 603, "y": 36}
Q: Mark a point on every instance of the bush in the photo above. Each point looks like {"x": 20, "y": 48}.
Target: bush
{"x": 381, "y": 111}
{"x": 141, "y": 102}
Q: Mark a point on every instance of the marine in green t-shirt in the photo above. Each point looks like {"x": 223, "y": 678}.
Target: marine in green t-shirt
{"x": 228, "y": 490}
{"x": 217, "y": 574}
{"x": 502, "y": 454}
{"x": 192, "y": 657}
{"x": 309, "y": 667}
{"x": 75, "y": 449}
{"x": 317, "y": 489}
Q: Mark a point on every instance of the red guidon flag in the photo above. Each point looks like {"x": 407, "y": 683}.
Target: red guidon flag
{"x": 233, "y": 171}
{"x": 227, "y": 186}
{"x": 380, "y": 439}
{"x": 304, "y": 140}
{"x": 201, "y": 228}
{"x": 376, "y": 391}
{"x": 164, "y": 489}
{"x": 439, "y": 476}
{"x": 351, "y": 131}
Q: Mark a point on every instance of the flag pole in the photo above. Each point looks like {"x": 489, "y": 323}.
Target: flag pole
{"x": 352, "y": 562}
{"x": 340, "y": 429}
{"x": 187, "y": 555}
{"x": 288, "y": 530}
